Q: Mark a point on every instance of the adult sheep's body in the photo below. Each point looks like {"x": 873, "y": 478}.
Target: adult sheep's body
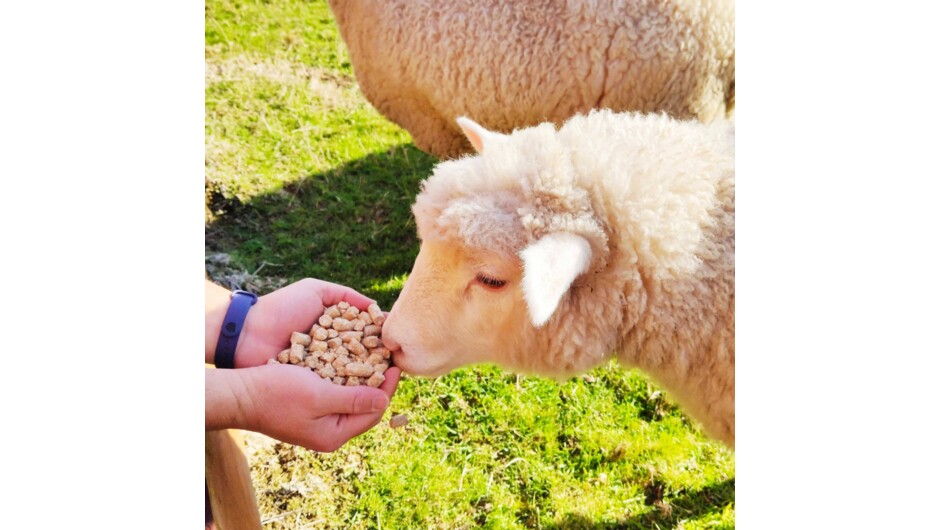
{"x": 554, "y": 250}
{"x": 512, "y": 64}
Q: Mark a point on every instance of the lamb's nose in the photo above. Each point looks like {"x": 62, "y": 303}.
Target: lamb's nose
{"x": 388, "y": 334}
{"x": 391, "y": 344}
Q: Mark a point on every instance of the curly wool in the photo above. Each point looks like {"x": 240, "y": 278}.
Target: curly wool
{"x": 654, "y": 197}
{"x": 512, "y": 64}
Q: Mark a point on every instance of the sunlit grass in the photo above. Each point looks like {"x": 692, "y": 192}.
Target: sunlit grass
{"x": 305, "y": 179}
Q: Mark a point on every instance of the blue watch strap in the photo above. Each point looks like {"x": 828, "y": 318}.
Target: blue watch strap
{"x": 232, "y": 328}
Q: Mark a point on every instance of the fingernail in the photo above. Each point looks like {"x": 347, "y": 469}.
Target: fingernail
{"x": 379, "y": 403}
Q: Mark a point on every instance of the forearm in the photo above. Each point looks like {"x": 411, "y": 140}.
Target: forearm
{"x": 217, "y": 302}
{"x": 228, "y": 401}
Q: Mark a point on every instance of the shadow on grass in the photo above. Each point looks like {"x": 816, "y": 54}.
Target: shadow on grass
{"x": 684, "y": 505}
{"x": 350, "y": 225}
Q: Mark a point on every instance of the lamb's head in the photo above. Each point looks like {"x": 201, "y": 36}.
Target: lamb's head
{"x": 504, "y": 235}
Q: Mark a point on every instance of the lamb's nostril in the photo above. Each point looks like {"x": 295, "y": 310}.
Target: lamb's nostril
{"x": 390, "y": 343}
{"x": 388, "y": 333}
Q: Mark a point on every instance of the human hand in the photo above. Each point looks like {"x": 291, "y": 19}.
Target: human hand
{"x": 295, "y": 405}
{"x": 275, "y": 316}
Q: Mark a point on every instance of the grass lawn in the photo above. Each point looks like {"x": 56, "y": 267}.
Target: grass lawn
{"x": 305, "y": 178}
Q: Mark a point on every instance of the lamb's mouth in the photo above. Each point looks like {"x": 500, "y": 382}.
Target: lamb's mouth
{"x": 406, "y": 361}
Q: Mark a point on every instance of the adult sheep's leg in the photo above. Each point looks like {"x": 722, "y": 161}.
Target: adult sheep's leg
{"x": 231, "y": 494}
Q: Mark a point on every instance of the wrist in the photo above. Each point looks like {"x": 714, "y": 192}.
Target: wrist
{"x": 217, "y": 300}
{"x": 229, "y": 400}
{"x": 233, "y": 324}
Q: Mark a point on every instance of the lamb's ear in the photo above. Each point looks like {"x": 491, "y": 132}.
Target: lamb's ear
{"x": 475, "y": 132}
{"x": 549, "y": 266}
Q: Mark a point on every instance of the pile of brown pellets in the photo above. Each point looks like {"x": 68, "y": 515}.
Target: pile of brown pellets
{"x": 345, "y": 346}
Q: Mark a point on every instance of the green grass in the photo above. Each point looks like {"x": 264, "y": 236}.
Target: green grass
{"x": 302, "y": 174}
{"x": 305, "y": 178}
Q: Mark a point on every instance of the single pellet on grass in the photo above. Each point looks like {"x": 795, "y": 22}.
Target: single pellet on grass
{"x": 398, "y": 420}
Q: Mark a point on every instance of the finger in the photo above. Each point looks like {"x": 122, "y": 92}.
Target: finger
{"x": 392, "y": 376}
{"x": 288, "y": 309}
{"x": 352, "y": 425}
{"x": 336, "y": 399}
{"x": 333, "y": 293}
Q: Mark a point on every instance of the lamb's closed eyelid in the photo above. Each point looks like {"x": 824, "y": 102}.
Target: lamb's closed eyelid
{"x": 491, "y": 281}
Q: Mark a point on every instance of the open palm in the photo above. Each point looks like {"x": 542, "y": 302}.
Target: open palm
{"x": 293, "y": 308}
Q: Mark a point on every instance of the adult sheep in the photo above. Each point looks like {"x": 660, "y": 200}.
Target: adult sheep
{"x": 553, "y": 250}
{"x": 512, "y": 64}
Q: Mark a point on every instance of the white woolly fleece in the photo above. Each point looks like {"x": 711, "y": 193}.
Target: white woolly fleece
{"x": 422, "y": 64}
{"x": 624, "y": 226}
{"x": 648, "y": 178}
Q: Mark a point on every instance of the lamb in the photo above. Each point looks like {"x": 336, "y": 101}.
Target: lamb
{"x": 551, "y": 251}
{"x": 513, "y": 64}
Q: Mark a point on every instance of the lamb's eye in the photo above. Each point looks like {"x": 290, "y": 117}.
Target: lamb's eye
{"x": 489, "y": 281}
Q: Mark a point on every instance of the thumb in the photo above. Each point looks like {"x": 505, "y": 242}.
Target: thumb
{"x": 333, "y": 293}
{"x": 353, "y": 399}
